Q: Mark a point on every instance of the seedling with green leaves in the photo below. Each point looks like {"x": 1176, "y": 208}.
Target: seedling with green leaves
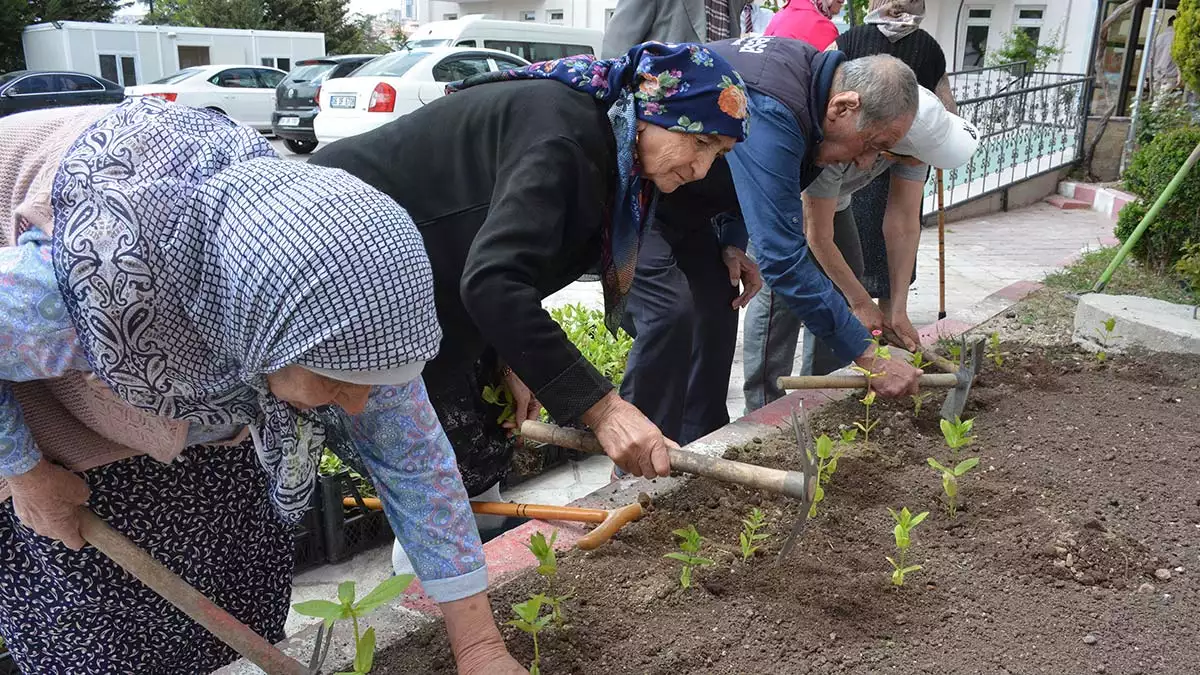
{"x": 950, "y": 478}
{"x": 501, "y": 396}
{"x": 848, "y": 435}
{"x": 1106, "y": 334}
{"x": 881, "y": 352}
{"x": 750, "y": 536}
{"x": 530, "y": 621}
{"x": 688, "y": 555}
{"x": 919, "y": 360}
{"x": 548, "y": 569}
{"x": 905, "y": 522}
{"x": 993, "y": 350}
{"x": 957, "y": 434}
{"x": 919, "y": 400}
{"x": 826, "y": 459}
{"x": 347, "y": 608}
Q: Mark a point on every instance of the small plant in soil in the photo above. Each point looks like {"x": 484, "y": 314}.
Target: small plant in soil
{"x": 993, "y": 351}
{"x": 918, "y": 401}
{"x": 750, "y": 536}
{"x": 501, "y": 396}
{"x": 689, "y": 548}
{"x": 881, "y": 352}
{"x": 950, "y": 478}
{"x": 848, "y": 435}
{"x": 957, "y": 434}
{"x": 548, "y": 569}
{"x": 347, "y": 608}
{"x": 826, "y": 461}
{"x": 905, "y": 522}
{"x": 918, "y": 360}
{"x": 1105, "y": 333}
{"x": 530, "y": 621}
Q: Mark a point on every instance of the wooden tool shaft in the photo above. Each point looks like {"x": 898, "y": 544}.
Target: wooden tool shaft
{"x": 939, "y": 380}
{"x": 929, "y": 355}
{"x": 789, "y": 483}
{"x": 178, "y": 592}
{"x": 941, "y": 206}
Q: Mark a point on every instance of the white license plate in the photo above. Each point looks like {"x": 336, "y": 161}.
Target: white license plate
{"x": 289, "y": 121}
{"x": 341, "y": 101}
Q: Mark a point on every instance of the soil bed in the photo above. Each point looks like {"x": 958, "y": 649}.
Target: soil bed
{"x": 1087, "y": 490}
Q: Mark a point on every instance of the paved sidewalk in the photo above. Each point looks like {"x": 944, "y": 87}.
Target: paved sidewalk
{"x": 983, "y": 256}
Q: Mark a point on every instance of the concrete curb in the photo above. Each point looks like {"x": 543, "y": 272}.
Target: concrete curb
{"x": 507, "y": 555}
{"x": 1107, "y": 201}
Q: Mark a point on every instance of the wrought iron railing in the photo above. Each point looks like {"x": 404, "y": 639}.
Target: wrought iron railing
{"x": 979, "y": 82}
{"x": 1031, "y": 124}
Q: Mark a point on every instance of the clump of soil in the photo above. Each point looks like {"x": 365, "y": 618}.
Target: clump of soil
{"x": 1076, "y": 548}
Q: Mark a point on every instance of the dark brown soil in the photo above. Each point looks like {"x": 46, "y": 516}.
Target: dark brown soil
{"x": 1089, "y": 483}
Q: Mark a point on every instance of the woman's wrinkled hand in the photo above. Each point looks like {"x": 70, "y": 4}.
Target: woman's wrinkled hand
{"x": 743, "y": 272}
{"x": 47, "y": 499}
{"x": 525, "y": 404}
{"x": 630, "y": 439}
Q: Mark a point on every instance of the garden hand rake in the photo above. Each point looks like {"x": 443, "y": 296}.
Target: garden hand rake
{"x": 808, "y": 465}
{"x": 959, "y": 383}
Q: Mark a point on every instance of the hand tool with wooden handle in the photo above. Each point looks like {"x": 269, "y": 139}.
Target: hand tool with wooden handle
{"x": 941, "y": 207}
{"x": 178, "y": 592}
{"x": 788, "y": 483}
{"x": 959, "y": 382}
{"x": 609, "y": 520}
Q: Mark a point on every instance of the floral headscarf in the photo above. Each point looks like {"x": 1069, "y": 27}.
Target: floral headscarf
{"x": 896, "y": 19}
{"x": 684, "y": 88}
{"x": 825, "y": 7}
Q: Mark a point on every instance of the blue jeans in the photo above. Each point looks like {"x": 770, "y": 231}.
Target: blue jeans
{"x": 772, "y": 330}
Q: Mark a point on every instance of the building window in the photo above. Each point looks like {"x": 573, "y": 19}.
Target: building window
{"x": 280, "y": 62}
{"x": 554, "y": 15}
{"x": 1029, "y": 21}
{"x": 528, "y": 15}
{"x": 119, "y": 69}
{"x": 608, "y": 14}
{"x": 975, "y": 37}
{"x": 410, "y": 9}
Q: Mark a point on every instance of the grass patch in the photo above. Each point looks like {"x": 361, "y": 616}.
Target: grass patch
{"x": 1131, "y": 278}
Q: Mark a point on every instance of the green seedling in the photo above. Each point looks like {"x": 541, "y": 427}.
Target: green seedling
{"x": 501, "y": 396}
{"x": 347, "y": 608}
{"x": 332, "y": 465}
{"x": 530, "y": 621}
{"x": 848, "y": 435}
{"x": 826, "y": 461}
{"x": 868, "y": 400}
{"x": 918, "y": 401}
{"x": 905, "y": 522}
{"x": 548, "y": 569}
{"x": 750, "y": 535}
{"x": 958, "y": 434}
{"x": 955, "y": 351}
{"x": 866, "y": 425}
{"x": 918, "y": 360}
{"x": 993, "y": 351}
{"x": 689, "y": 547}
{"x": 1105, "y": 332}
{"x": 950, "y": 480}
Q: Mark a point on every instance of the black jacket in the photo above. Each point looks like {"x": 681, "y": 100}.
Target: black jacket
{"x": 508, "y": 183}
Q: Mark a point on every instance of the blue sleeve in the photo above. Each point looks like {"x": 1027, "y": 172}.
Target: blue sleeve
{"x": 731, "y": 231}
{"x": 766, "y": 170}
{"x": 412, "y": 465}
{"x": 18, "y": 454}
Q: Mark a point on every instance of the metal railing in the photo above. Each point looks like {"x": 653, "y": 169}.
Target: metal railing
{"x": 1031, "y": 124}
{"x": 977, "y": 82}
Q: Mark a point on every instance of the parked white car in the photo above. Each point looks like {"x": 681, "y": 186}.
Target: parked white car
{"x": 244, "y": 93}
{"x": 397, "y": 84}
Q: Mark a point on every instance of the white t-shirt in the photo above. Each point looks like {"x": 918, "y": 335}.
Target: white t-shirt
{"x": 843, "y": 180}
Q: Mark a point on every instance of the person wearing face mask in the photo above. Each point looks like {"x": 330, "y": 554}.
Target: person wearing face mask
{"x": 807, "y": 20}
{"x": 522, "y": 181}
{"x": 811, "y": 109}
{"x": 937, "y": 138}
{"x": 176, "y": 302}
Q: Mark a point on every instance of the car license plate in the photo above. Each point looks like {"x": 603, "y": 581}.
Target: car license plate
{"x": 289, "y": 121}
{"x": 341, "y": 101}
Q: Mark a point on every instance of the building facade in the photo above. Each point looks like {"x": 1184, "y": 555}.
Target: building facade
{"x": 969, "y": 30}
{"x": 574, "y": 13}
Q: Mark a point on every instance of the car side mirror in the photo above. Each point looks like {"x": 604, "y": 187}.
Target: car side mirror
{"x": 7, "y": 93}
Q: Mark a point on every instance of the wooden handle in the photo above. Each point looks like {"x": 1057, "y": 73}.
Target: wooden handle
{"x": 178, "y": 592}
{"x": 514, "y": 510}
{"x": 789, "y": 483}
{"x": 614, "y": 520}
{"x": 943, "y": 364}
{"x": 940, "y": 380}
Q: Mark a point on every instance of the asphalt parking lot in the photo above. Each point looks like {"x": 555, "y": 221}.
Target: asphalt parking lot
{"x": 277, "y": 143}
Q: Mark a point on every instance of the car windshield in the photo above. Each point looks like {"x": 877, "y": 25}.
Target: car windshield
{"x": 427, "y": 43}
{"x": 311, "y": 72}
{"x": 180, "y": 76}
{"x": 392, "y": 65}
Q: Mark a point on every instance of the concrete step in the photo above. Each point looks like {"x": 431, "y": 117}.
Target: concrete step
{"x": 1066, "y": 203}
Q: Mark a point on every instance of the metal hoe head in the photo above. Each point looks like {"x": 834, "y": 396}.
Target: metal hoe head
{"x": 970, "y": 362}
{"x": 808, "y": 467}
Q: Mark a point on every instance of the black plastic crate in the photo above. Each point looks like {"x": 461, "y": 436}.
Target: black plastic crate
{"x": 309, "y": 538}
{"x": 7, "y": 666}
{"x": 348, "y": 529}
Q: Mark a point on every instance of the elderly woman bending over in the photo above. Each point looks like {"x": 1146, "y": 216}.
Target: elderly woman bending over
{"x": 521, "y": 182}
{"x": 170, "y": 288}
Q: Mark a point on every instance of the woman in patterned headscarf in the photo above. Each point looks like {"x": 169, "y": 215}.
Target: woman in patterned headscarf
{"x": 808, "y": 20}
{"x": 521, "y": 182}
{"x": 171, "y": 287}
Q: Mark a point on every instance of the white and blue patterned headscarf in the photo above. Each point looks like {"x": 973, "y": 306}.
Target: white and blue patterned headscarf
{"x": 194, "y": 261}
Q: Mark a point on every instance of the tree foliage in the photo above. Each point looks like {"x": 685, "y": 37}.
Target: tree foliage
{"x": 15, "y": 15}
{"x": 1186, "y": 48}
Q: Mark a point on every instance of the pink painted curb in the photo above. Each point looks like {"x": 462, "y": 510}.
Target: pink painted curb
{"x": 507, "y": 555}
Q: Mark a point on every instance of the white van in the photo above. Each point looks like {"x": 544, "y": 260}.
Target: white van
{"x": 527, "y": 39}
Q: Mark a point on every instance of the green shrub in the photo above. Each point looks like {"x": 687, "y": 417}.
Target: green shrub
{"x": 1150, "y": 170}
{"x": 1167, "y": 111}
{"x": 585, "y": 328}
{"x": 1186, "y": 48}
{"x": 1188, "y": 267}
{"x": 1019, "y": 47}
